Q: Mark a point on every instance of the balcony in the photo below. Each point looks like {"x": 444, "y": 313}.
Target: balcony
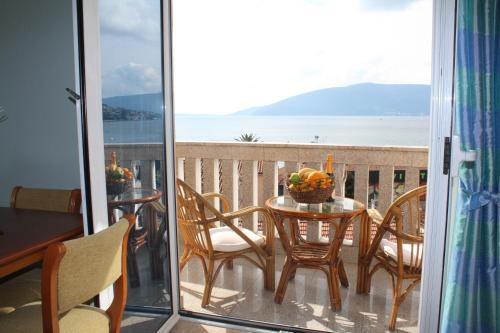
{"x": 248, "y": 174}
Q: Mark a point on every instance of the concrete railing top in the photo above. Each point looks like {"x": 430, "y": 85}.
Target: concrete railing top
{"x": 402, "y": 156}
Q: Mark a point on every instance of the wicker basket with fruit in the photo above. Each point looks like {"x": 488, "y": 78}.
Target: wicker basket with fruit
{"x": 310, "y": 186}
{"x": 118, "y": 179}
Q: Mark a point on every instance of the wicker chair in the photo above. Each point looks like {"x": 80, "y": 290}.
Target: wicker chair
{"x": 401, "y": 253}
{"x": 197, "y": 219}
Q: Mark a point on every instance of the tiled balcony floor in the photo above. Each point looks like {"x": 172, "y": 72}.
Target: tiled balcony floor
{"x": 189, "y": 327}
{"x": 240, "y": 293}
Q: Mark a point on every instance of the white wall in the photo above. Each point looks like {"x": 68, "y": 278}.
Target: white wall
{"x": 38, "y": 143}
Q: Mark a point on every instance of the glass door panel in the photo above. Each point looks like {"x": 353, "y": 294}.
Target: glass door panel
{"x": 134, "y": 136}
{"x": 266, "y": 88}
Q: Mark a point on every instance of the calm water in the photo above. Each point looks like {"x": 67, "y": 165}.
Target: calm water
{"x": 406, "y": 131}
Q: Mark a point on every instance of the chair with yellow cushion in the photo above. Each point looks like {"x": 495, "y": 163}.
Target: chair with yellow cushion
{"x": 20, "y": 290}
{"x": 74, "y": 272}
{"x": 25, "y": 288}
{"x": 54, "y": 200}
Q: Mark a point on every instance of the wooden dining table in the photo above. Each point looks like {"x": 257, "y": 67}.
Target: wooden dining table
{"x": 25, "y": 235}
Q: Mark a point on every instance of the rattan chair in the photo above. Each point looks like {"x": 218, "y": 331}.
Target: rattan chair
{"x": 74, "y": 272}
{"x": 401, "y": 253}
{"x": 25, "y": 287}
{"x": 198, "y": 219}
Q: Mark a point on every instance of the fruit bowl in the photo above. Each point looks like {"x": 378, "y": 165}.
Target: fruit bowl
{"x": 310, "y": 186}
{"x": 117, "y": 187}
{"x": 118, "y": 179}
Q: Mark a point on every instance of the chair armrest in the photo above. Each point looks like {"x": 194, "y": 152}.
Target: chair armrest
{"x": 375, "y": 216}
{"x": 245, "y": 211}
{"x": 407, "y": 237}
{"x": 223, "y": 199}
{"x": 227, "y": 220}
{"x": 268, "y": 219}
{"x": 158, "y": 207}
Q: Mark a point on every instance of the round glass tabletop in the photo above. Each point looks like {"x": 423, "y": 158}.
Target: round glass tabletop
{"x": 339, "y": 208}
{"x": 134, "y": 196}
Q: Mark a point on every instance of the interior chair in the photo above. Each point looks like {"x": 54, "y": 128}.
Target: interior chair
{"x": 74, "y": 272}
{"x": 25, "y": 288}
{"x": 397, "y": 246}
{"x": 54, "y": 200}
{"x": 212, "y": 236}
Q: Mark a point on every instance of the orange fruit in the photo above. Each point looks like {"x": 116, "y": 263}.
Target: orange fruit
{"x": 316, "y": 175}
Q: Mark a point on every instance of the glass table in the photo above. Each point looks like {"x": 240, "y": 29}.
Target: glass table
{"x": 128, "y": 200}
{"x": 308, "y": 254}
{"x": 131, "y": 203}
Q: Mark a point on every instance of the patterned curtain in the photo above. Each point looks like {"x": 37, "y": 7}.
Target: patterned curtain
{"x": 472, "y": 280}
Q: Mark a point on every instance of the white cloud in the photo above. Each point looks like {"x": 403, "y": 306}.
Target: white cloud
{"x": 132, "y": 18}
{"x": 385, "y": 5}
{"x": 230, "y": 55}
{"x": 131, "y": 79}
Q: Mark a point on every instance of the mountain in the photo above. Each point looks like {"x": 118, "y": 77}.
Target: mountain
{"x": 144, "y": 102}
{"x": 118, "y": 113}
{"x": 365, "y": 99}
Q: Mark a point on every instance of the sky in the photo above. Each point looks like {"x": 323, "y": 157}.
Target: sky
{"x": 230, "y": 55}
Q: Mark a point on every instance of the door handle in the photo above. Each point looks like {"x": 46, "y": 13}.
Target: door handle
{"x": 74, "y": 96}
{"x": 458, "y": 156}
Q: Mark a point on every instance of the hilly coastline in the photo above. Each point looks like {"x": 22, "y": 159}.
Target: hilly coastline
{"x": 365, "y": 99}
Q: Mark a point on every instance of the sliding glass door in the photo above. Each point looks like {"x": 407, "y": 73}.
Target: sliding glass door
{"x": 127, "y": 103}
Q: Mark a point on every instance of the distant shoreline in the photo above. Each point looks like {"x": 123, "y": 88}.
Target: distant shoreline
{"x": 299, "y": 115}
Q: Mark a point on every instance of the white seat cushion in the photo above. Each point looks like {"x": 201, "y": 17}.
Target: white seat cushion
{"x": 391, "y": 249}
{"x": 226, "y": 240}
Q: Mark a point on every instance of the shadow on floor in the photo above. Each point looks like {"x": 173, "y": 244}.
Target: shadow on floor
{"x": 132, "y": 323}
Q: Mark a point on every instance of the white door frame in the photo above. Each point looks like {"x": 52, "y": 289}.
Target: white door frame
{"x": 438, "y": 183}
{"x": 441, "y": 120}
{"x": 93, "y": 169}
{"x": 88, "y": 66}
{"x": 443, "y": 55}
{"x": 170, "y": 164}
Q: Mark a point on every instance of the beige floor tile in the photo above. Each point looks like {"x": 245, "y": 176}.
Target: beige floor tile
{"x": 190, "y": 327}
{"x": 240, "y": 293}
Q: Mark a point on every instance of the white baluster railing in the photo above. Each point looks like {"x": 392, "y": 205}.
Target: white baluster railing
{"x": 249, "y": 173}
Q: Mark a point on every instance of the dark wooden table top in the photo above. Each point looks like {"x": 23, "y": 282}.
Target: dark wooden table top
{"x": 24, "y": 231}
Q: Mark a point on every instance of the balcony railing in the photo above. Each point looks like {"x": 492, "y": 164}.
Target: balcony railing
{"x": 249, "y": 173}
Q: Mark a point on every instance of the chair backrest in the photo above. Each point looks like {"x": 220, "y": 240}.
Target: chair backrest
{"x": 77, "y": 270}
{"x": 194, "y": 222}
{"x": 404, "y": 223}
{"x": 55, "y": 200}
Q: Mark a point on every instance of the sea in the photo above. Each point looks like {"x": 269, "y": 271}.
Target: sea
{"x": 359, "y": 130}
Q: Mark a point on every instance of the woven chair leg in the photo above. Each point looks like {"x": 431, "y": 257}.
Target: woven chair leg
{"x": 270, "y": 280}
{"x": 396, "y": 301}
{"x": 208, "y": 284}
{"x": 343, "y": 275}
{"x": 285, "y": 276}
{"x": 333, "y": 284}
{"x": 186, "y": 255}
